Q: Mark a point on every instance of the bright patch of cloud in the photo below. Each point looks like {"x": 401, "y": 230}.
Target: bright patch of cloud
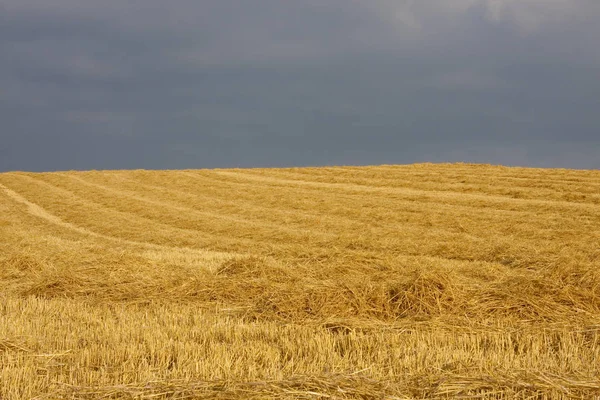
{"x": 531, "y": 15}
{"x": 527, "y": 15}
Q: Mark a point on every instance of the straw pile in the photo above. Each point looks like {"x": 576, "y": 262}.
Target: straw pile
{"x": 399, "y": 282}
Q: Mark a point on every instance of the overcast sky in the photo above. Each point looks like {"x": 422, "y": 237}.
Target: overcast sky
{"x": 154, "y": 84}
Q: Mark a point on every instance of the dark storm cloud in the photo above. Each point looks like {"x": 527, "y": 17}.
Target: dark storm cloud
{"x": 217, "y": 83}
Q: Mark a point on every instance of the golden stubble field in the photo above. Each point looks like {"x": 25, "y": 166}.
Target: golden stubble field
{"x": 387, "y": 282}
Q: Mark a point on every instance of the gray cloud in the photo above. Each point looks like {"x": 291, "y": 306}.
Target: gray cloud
{"x": 151, "y": 84}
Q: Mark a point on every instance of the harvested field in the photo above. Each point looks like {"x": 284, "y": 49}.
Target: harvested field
{"x": 387, "y": 282}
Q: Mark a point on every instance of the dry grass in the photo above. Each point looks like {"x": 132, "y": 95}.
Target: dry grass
{"x": 395, "y": 282}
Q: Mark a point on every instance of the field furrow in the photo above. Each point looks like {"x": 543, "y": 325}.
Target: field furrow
{"x": 285, "y": 178}
{"x": 39, "y": 212}
{"x": 220, "y": 207}
{"x": 461, "y": 183}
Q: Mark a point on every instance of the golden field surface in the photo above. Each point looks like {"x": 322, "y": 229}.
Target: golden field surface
{"x": 386, "y": 282}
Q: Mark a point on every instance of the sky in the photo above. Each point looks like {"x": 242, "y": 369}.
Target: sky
{"x": 151, "y": 84}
